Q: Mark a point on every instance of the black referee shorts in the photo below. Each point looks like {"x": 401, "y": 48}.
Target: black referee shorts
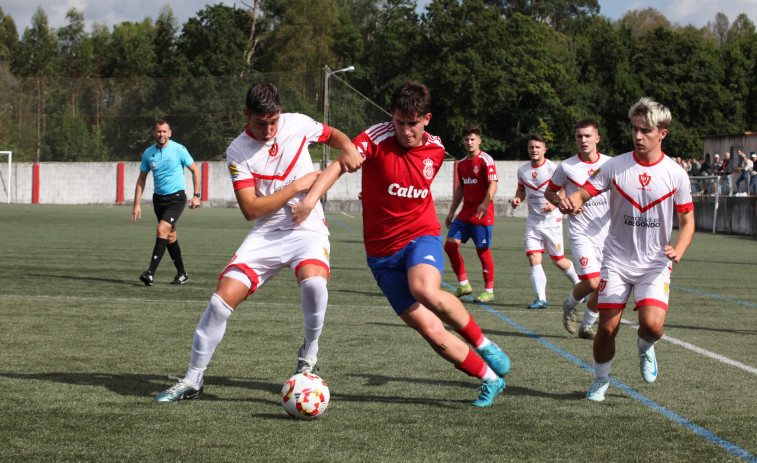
{"x": 169, "y": 207}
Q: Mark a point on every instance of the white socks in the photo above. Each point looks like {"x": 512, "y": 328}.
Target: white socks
{"x": 314, "y": 298}
{"x": 571, "y": 274}
{"x": 589, "y": 318}
{"x": 602, "y": 370}
{"x": 644, "y": 345}
{"x": 539, "y": 281}
{"x": 572, "y": 302}
{"x": 208, "y": 335}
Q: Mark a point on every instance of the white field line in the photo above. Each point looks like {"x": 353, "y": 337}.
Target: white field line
{"x": 699, "y": 350}
{"x": 344, "y": 213}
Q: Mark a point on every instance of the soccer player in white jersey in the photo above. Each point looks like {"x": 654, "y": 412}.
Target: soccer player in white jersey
{"x": 476, "y": 186}
{"x": 403, "y": 239}
{"x": 645, "y": 188}
{"x": 271, "y": 170}
{"x": 587, "y": 231}
{"x": 544, "y": 223}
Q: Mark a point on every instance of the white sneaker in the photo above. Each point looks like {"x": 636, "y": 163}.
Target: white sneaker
{"x": 598, "y": 389}
{"x": 648, "y": 365}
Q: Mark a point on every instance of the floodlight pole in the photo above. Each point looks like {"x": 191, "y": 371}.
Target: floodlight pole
{"x": 327, "y": 72}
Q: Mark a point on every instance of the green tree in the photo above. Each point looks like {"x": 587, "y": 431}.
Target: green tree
{"x": 130, "y": 50}
{"x": 36, "y": 52}
{"x": 8, "y": 36}
{"x": 165, "y": 43}
{"x": 555, "y": 13}
{"x": 68, "y": 139}
{"x": 643, "y": 21}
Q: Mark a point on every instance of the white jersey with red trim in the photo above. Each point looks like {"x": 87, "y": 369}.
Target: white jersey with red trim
{"x": 268, "y": 166}
{"x": 643, "y": 198}
{"x": 397, "y": 201}
{"x": 594, "y": 221}
{"x": 535, "y": 181}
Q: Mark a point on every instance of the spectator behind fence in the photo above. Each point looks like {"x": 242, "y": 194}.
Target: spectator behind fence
{"x": 746, "y": 166}
{"x": 753, "y": 174}
{"x": 727, "y": 173}
{"x": 705, "y": 170}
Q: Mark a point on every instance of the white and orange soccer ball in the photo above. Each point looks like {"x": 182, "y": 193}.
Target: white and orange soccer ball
{"x": 305, "y": 396}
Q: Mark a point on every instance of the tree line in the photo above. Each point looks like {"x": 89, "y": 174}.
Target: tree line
{"x": 513, "y": 67}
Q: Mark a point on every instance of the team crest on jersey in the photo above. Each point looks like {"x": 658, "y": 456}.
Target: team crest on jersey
{"x": 602, "y": 284}
{"x": 274, "y": 149}
{"x": 591, "y": 172}
{"x": 644, "y": 179}
{"x": 475, "y": 169}
{"x": 233, "y": 171}
{"x": 534, "y": 174}
{"x": 428, "y": 169}
{"x": 584, "y": 261}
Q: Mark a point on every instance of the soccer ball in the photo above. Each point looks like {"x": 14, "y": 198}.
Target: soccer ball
{"x": 305, "y": 396}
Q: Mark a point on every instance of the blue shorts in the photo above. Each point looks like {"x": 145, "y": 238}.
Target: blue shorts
{"x": 390, "y": 272}
{"x": 481, "y": 234}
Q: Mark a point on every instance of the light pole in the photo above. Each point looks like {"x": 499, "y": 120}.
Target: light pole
{"x": 327, "y": 72}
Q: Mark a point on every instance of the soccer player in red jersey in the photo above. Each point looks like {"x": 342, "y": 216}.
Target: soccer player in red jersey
{"x": 645, "y": 188}
{"x": 476, "y": 186}
{"x": 403, "y": 240}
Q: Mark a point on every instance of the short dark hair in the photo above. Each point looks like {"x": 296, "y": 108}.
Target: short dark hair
{"x": 471, "y": 129}
{"x": 263, "y": 98}
{"x": 537, "y": 137}
{"x": 161, "y": 122}
{"x": 411, "y": 98}
{"x": 584, "y": 123}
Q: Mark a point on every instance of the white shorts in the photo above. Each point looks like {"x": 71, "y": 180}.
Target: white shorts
{"x": 587, "y": 258}
{"x": 650, "y": 287}
{"x": 538, "y": 238}
{"x": 262, "y": 255}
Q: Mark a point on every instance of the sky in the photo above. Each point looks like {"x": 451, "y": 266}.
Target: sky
{"x": 110, "y": 12}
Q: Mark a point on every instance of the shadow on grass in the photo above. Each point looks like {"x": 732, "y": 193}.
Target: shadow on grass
{"x": 709, "y": 328}
{"x": 134, "y": 282}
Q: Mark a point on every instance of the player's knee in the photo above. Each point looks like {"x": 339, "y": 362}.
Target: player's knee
{"x": 450, "y": 247}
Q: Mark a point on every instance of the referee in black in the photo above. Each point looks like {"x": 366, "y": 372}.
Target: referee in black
{"x": 166, "y": 159}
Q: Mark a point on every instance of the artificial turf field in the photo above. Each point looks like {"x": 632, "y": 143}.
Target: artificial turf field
{"x": 86, "y": 346}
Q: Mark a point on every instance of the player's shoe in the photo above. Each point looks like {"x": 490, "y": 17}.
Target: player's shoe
{"x": 486, "y": 296}
{"x": 568, "y": 318}
{"x": 147, "y": 278}
{"x": 180, "y": 279}
{"x": 461, "y": 291}
{"x": 179, "y": 391}
{"x": 585, "y": 332}
{"x": 538, "y": 304}
{"x": 648, "y": 364}
{"x": 598, "y": 389}
{"x": 306, "y": 365}
{"x": 495, "y": 358}
{"x": 488, "y": 390}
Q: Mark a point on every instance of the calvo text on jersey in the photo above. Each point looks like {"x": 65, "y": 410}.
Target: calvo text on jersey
{"x": 407, "y": 192}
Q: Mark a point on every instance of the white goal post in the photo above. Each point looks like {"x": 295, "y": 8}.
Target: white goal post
{"x": 8, "y": 185}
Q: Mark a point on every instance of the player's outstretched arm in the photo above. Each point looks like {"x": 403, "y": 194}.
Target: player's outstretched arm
{"x": 254, "y": 207}
{"x": 686, "y": 228}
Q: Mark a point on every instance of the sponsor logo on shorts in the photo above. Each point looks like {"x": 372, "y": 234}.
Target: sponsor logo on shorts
{"x": 584, "y": 261}
{"x": 326, "y": 253}
{"x": 602, "y": 284}
{"x": 429, "y": 257}
{"x": 666, "y": 288}
{"x": 407, "y": 192}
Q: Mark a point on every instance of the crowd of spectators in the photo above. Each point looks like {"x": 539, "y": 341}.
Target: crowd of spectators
{"x": 728, "y": 172}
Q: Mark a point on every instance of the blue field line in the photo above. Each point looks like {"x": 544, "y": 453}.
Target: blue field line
{"x": 714, "y": 295}
{"x": 709, "y": 435}
{"x": 340, "y": 223}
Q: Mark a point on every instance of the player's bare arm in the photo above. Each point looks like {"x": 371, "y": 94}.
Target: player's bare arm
{"x": 195, "y": 203}
{"x": 136, "y": 211}
{"x": 484, "y": 206}
{"x": 302, "y": 209}
{"x": 552, "y": 196}
{"x": 520, "y": 194}
{"x": 686, "y": 229}
{"x": 349, "y": 159}
{"x": 573, "y": 204}
{"x": 457, "y": 197}
{"x": 254, "y": 207}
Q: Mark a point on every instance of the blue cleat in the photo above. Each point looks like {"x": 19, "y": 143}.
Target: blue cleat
{"x": 488, "y": 390}
{"x": 538, "y": 304}
{"x": 495, "y": 358}
{"x": 179, "y": 391}
{"x": 598, "y": 389}
{"x": 648, "y": 364}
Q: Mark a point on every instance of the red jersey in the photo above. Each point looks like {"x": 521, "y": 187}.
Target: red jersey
{"x": 397, "y": 201}
{"x": 475, "y": 175}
